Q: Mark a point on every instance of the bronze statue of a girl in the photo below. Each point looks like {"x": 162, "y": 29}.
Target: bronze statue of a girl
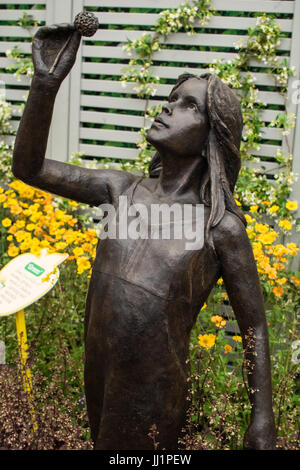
{"x": 144, "y": 295}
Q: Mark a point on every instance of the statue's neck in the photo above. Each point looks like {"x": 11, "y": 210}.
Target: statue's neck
{"x": 181, "y": 177}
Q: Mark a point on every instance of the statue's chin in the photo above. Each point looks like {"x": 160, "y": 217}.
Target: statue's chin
{"x": 152, "y": 138}
{"x": 149, "y": 138}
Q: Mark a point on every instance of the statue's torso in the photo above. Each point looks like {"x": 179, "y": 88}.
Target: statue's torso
{"x": 143, "y": 300}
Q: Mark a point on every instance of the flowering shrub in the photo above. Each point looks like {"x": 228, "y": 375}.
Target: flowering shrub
{"x": 32, "y": 220}
{"x": 5, "y": 148}
{"x": 58, "y": 423}
{"x": 219, "y": 393}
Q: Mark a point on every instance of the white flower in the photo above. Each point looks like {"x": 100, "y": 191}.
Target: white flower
{"x": 295, "y": 359}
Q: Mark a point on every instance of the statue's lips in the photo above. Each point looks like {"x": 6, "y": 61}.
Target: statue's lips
{"x": 160, "y": 121}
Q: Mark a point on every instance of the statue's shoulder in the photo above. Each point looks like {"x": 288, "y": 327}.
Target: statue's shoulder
{"x": 118, "y": 181}
{"x": 230, "y": 232}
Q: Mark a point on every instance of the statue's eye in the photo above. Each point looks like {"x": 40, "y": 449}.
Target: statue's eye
{"x": 192, "y": 106}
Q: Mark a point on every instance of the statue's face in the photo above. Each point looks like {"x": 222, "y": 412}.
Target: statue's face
{"x": 182, "y": 127}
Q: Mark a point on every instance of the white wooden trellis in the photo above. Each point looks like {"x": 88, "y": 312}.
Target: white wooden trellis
{"x": 85, "y": 100}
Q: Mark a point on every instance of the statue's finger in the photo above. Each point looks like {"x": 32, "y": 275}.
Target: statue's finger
{"x": 37, "y": 54}
{"x": 67, "y": 27}
{"x": 46, "y": 31}
{"x": 67, "y": 54}
{"x": 75, "y": 41}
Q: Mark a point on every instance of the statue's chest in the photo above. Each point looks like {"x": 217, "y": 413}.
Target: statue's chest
{"x": 159, "y": 248}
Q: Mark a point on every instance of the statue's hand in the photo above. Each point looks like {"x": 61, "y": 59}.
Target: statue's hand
{"x": 261, "y": 434}
{"x": 54, "y": 51}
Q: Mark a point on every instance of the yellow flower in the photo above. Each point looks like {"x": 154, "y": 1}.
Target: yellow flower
{"x": 249, "y": 218}
{"x": 268, "y": 238}
{"x": 207, "y": 341}
{"x": 250, "y": 233}
{"x": 2, "y": 198}
{"x": 30, "y": 227}
{"x": 59, "y": 214}
{"x": 271, "y": 272}
{"x": 261, "y": 228}
{"x": 237, "y": 202}
{"x": 285, "y": 224}
{"x": 277, "y": 291}
{"x": 204, "y": 306}
{"x": 21, "y": 235}
{"x": 72, "y": 222}
{"x": 220, "y": 281}
{"x": 237, "y": 338}
{"x": 78, "y": 251}
{"x": 87, "y": 247}
{"x": 48, "y": 208}
{"x": 295, "y": 280}
{"x": 293, "y": 248}
{"x": 20, "y": 223}
{"x": 35, "y": 250}
{"x": 73, "y": 203}
{"x": 292, "y": 205}
{"x": 82, "y": 264}
{"x": 279, "y": 266}
{"x": 274, "y": 209}
{"x": 91, "y": 235}
{"x": 6, "y": 222}
{"x": 281, "y": 281}
{"x": 218, "y": 320}
{"x": 227, "y": 348}
{"x": 60, "y": 245}
{"x": 23, "y": 189}
{"x": 35, "y": 216}
{"x": 12, "y": 251}
{"x": 12, "y": 229}
{"x": 15, "y": 209}
{"x": 278, "y": 251}
{"x": 25, "y": 245}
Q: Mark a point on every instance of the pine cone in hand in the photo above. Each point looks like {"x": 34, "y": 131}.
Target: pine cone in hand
{"x": 86, "y": 23}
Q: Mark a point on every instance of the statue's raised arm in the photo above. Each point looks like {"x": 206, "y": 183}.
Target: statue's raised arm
{"x": 54, "y": 52}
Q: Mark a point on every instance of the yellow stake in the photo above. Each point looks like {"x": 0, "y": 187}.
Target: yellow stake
{"x": 22, "y": 340}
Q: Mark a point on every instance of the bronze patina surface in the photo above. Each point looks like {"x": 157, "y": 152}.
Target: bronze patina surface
{"x": 145, "y": 294}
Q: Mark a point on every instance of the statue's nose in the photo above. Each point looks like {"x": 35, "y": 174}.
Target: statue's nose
{"x": 167, "y": 108}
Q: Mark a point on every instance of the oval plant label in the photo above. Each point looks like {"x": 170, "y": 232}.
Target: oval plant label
{"x": 26, "y": 278}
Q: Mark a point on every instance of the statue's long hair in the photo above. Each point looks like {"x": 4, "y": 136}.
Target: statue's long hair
{"x": 222, "y": 155}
